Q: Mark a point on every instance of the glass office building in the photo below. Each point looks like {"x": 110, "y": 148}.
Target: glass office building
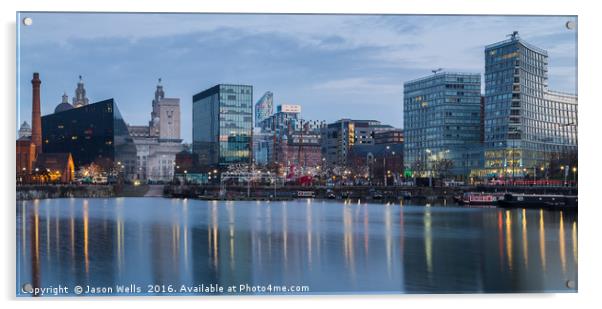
{"x": 264, "y": 108}
{"x": 525, "y": 123}
{"x": 222, "y": 124}
{"x": 441, "y": 116}
{"x": 92, "y": 133}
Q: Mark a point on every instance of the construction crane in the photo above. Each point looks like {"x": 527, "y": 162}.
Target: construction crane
{"x": 437, "y": 70}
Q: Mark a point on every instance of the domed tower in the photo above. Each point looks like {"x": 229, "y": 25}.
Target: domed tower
{"x": 24, "y": 130}
{"x": 80, "y": 98}
{"x": 64, "y": 105}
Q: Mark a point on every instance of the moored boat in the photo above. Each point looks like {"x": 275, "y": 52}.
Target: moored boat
{"x": 538, "y": 200}
{"x": 478, "y": 198}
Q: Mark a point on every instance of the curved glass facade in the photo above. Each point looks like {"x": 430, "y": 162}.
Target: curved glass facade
{"x": 525, "y": 123}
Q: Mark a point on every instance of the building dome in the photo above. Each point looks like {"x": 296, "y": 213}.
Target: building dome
{"x": 62, "y": 107}
{"x": 25, "y": 126}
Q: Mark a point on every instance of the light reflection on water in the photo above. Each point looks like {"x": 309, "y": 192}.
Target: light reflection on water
{"x": 329, "y": 246}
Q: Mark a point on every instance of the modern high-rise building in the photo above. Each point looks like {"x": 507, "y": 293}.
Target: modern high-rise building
{"x": 441, "y": 114}
{"x": 222, "y": 125}
{"x": 264, "y": 108}
{"x": 526, "y": 124}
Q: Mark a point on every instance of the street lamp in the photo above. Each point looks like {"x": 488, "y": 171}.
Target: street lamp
{"x": 385, "y": 176}
{"x": 565, "y": 169}
{"x": 575, "y": 175}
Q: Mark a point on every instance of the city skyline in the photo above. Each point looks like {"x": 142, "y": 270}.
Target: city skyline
{"x": 334, "y": 66}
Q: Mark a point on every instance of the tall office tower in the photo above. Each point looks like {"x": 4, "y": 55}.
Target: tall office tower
{"x": 264, "y": 108}
{"x": 222, "y": 123}
{"x": 441, "y": 115}
{"x": 525, "y": 123}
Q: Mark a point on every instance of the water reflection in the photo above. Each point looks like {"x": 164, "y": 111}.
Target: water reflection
{"x": 328, "y": 246}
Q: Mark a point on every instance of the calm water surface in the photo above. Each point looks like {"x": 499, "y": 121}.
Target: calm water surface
{"x": 329, "y": 247}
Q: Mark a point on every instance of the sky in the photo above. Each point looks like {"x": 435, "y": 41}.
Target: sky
{"x": 334, "y": 66}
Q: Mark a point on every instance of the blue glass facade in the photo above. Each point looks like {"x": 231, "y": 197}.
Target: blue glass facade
{"x": 442, "y": 121}
{"x": 525, "y": 123}
{"x": 264, "y": 108}
{"x": 222, "y": 123}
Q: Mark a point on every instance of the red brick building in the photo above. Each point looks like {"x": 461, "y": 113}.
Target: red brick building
{"x": 26, "y": 156}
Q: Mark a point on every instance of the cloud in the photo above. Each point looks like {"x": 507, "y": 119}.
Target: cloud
{"x": 319, "y": 61}
{"x": 358, "y": 85}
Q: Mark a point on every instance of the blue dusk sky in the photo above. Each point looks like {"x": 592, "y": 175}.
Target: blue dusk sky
{"x": 334, "y": 66}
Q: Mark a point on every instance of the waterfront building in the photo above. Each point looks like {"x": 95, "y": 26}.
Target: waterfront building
{"x": 526, "y": 124}
{"x": 371, "y": 162}
{"x": 337, "y": 138}
{"x": 29, "y": 144}
{"x": 158, "y": 142}
{"x": 25, "y": 156}
{"x": 299, "y": 150}
{"x": 24, "y": 130}
{"x": 264, "y": 108}
{"x": 92, "y": 133}
{"x": 289, "y": 141}
{"x": 222, "y": 122}
{"x": 442, "y": 124}
{"x": 54, "y": 167}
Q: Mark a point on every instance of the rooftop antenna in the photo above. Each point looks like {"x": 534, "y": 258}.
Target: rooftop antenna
{"x": 437, "y": 70}
{"x": 513, "y": 36}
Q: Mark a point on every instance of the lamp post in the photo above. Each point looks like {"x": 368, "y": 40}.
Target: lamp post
{"x": 575, "y": 176}
{"x": 565, "y": 169}
{"x": 428, "y": 169}
{"x": 385, "y": 165}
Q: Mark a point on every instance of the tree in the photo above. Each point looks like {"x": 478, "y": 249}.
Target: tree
{"x": 442, "y": 167}
{"x": 419, "y": 166}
